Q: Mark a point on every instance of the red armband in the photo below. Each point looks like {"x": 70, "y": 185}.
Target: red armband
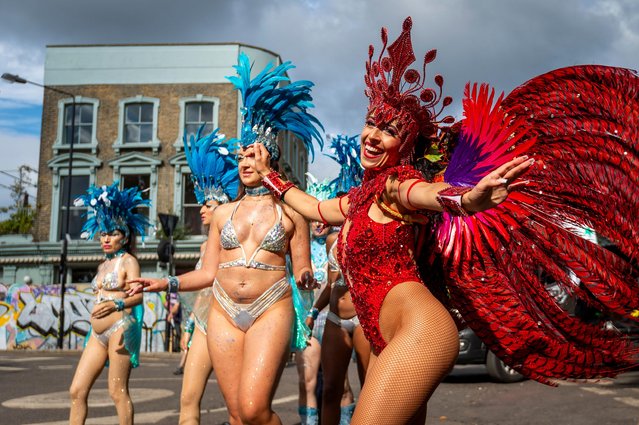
{"x": 319, "y": 211}
{"x": 340, "y": 206}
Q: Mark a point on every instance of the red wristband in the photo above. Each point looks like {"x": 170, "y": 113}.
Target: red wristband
{"x": 450, "y": 200}
{"x": 276, "y": 185}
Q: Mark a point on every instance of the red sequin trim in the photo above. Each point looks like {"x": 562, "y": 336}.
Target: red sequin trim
{"x": 274, "y": 182}
{"x": 450, "y": 200}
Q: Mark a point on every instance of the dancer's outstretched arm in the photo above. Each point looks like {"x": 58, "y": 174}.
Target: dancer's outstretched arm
{"x": 491, "y": 190}
{"x": 193, "y": 280}
{"x": 330, "y": 211}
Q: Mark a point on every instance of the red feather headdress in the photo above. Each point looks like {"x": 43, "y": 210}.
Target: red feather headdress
{"x": 397, "y": 93}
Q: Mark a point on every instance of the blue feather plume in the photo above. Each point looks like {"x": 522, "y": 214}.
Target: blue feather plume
{"x": 269, "y": 108}
{"x": 346, "y": 152}
{"x": 110, "y": 208}
{"x": 213, "y": 167}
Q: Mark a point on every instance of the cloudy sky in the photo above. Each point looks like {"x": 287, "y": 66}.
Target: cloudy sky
{"x": 502, "y": 42}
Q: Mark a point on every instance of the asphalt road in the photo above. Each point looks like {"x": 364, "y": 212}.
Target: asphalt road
{"x": 33, "y": 391}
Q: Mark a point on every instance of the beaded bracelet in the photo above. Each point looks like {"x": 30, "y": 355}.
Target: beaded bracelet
{"x": 174, "y": 284}
{"x": 313, "y": 313}
{"x": 119, "y": 304}
{"x": 450, "y": 200}
{"x": 273, "y": 181}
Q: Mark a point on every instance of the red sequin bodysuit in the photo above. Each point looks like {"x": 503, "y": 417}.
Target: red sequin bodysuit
{"x": 375, "y": 257}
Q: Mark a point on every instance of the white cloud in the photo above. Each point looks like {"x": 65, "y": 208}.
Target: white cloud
{"x": 27, "y": 63}
{"x": 501, "y": 42}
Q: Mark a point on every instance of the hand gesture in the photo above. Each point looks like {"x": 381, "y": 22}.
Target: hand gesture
{"x": 147, "y": 284}
{"x": 262, "y": 159}
{"x": 103, "y": 310}
{"x": 184, "y": 341}
{"x": 494, "y": 188}
{"x": 310, "y": 322}
{"x": 307, "y": 282}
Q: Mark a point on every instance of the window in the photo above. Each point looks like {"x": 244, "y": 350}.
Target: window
{"x": 143, "y": 183}
{"x": 82, "y": 275}
{"x": 190, "y": 207}
{"x": 196, "y": 115}
{"x": 138, "y": 123}
{"x": 196, "y": 111}
{"x": 83, "y": 123}
{"x": 135, "y": 169}
{"x": 79, "y": 185}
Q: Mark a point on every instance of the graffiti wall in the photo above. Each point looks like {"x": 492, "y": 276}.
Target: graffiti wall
{"x": 29, "y": 317}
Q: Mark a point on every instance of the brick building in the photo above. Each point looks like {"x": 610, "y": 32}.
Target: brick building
{"x": 133, "y": 105}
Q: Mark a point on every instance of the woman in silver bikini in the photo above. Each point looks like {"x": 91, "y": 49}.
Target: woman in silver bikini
{"x": 116, "y": 319}
{"x": 249, "y": 326}
{"x": 215, "y": 182}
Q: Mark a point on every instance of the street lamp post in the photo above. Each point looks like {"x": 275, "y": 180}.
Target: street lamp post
{"x": 12, "y": 78}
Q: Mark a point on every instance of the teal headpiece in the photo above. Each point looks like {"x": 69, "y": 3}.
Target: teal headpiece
{"x": 321, "y": 190}
{"x": 270, "y": 106}
{"x": 110, "y": 208}
{"x": 346, "y": 152}
{"x": 213, "y": 167}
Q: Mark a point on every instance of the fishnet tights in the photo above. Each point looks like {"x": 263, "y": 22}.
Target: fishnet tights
{"x": 422, "y": 348}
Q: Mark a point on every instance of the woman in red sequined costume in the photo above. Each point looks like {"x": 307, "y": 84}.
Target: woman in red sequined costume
{"x": 413, "y": 337}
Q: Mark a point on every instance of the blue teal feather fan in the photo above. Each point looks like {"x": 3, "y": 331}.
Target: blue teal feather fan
{"x": 213, "y": 167}
{"x": 110, "y": 208}
{"x": 269, "y": 108}
{"x": 346, "y": 152}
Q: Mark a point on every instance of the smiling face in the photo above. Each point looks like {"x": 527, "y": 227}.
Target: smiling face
{"x": 206, "y": 212}
{"x": 246, "y": 167}
{"x": 112, "y": 242}
{"x": 380, "y": 144}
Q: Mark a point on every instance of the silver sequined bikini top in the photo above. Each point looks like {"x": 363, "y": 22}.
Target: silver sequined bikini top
{"x": 333, "y": 266}
{"x": 109, "y": 283}
{"x": 275, "y": 240}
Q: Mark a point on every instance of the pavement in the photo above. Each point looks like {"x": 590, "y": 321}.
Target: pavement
{"x": 35, "y": 384}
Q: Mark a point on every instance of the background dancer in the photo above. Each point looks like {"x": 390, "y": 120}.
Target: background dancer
{"x": 215, "y": 182}
{"x": 116, "y": 320}
{"x": 308, "y": 359}
{"x": 491, "y": 244}
{"x": 250, "y": 321}
{"x": 342, "y": 332}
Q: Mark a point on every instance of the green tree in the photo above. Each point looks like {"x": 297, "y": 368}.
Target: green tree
{"x": 21, "y": 215}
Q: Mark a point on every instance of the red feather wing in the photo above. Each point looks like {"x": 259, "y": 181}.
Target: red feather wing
{"x": 581, "y": 124}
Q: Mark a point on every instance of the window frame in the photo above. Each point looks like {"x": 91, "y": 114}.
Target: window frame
{"x": 198, "y": 98}
{"x": 83, "y": 165}
{"x": 136, "y": 163}
{"x": 92, "y": 146}
{"x": 155, "y": 142}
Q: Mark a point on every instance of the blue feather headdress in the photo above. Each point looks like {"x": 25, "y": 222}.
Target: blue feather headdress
{"x": 321, "y": 190}
{"x": 269, "y": 108}
{"x": 346, "y": 152}
{"x": 213, "y": 167}
{"x": 112, "y": 209}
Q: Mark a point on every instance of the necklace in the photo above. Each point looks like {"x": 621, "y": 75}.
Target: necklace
{"x": 120, "y": 252}
{"x": 256, "y": 191}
